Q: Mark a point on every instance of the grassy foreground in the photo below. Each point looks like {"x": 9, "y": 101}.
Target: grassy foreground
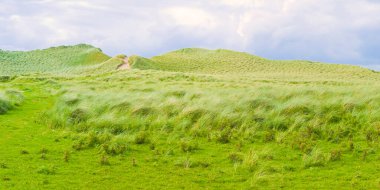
{"x": 177, "y": 122}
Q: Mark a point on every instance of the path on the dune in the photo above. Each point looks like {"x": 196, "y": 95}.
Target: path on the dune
{"x": 125, "y": 65}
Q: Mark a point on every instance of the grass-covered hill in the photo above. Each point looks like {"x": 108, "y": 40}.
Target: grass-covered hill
{"x": 86, "y": 59}
{"x": 63, "y": 59}
{"x": 189, "y": 119}
{"x": 221, "y": 61}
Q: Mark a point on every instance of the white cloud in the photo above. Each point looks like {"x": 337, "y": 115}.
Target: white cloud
{"x": 38, "y": 28}
{"x": 82, "y": 4}
{"x": 238, "y": 3}
{"x": 326, "y": 30}
{"x": 191, "y": 17}
{"x": 310, "y": 28}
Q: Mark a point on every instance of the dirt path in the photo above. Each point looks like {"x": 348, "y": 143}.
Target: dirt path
{"x": 125, "y": 65}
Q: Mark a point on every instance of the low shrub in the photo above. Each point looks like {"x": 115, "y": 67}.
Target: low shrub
{"x": 114, "y": 147}
{"x": 269, "y": 136}
{"x": 224, "y": 136}
{"x": 236, "y": 157}
{"x": 104, "y": 160}
{"x": 10, "y": 99}
{"x": 316, "y": 158}
{"x": 188, "y": 146}
{"x": 47, "y": 170}
{"x": 66, "y": 156}
{"x": 251, "y": 160}
{"x": 3, "y": 166}
{"x": 141, "y": 138}
{"x": 335, "y": 155}
{"x": 5, "y": 106}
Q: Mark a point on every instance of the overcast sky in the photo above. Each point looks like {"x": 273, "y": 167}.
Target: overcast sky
{"x": 339, "y": 31}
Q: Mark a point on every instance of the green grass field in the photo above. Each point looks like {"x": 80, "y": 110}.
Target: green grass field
{"x": 188, "y": 119}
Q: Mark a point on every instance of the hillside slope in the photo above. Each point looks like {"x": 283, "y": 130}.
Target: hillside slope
{"x": 87, "y": 59}
{"x": 196, "y": 60}
{"x": 60, "y": 59}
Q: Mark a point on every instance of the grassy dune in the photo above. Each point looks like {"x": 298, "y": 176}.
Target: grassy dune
{"x": 231, "y": 62}
{"x": 194, "y": 119}
{"x": 55, "y": 60}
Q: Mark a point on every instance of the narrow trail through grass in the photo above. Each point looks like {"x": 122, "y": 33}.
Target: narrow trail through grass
{"x": 16, "y": 126}
{"x": 20, "y": 137}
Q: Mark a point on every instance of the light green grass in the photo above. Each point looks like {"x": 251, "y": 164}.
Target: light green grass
{"x": 233, "y": 63}
{"x": 55, "y": 60}
{"x": 182, "y": 124}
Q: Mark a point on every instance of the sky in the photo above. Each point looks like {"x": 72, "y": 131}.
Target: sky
{"x": 334, "y": 31}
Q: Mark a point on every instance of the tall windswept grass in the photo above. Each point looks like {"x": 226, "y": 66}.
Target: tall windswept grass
{"x": 299, "y": 116}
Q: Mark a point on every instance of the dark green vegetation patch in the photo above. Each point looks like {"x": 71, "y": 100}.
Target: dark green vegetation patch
{"x": 9, "y": 99}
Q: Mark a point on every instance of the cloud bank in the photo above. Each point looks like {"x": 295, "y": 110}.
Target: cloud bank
{"x": 340, "y": 31}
